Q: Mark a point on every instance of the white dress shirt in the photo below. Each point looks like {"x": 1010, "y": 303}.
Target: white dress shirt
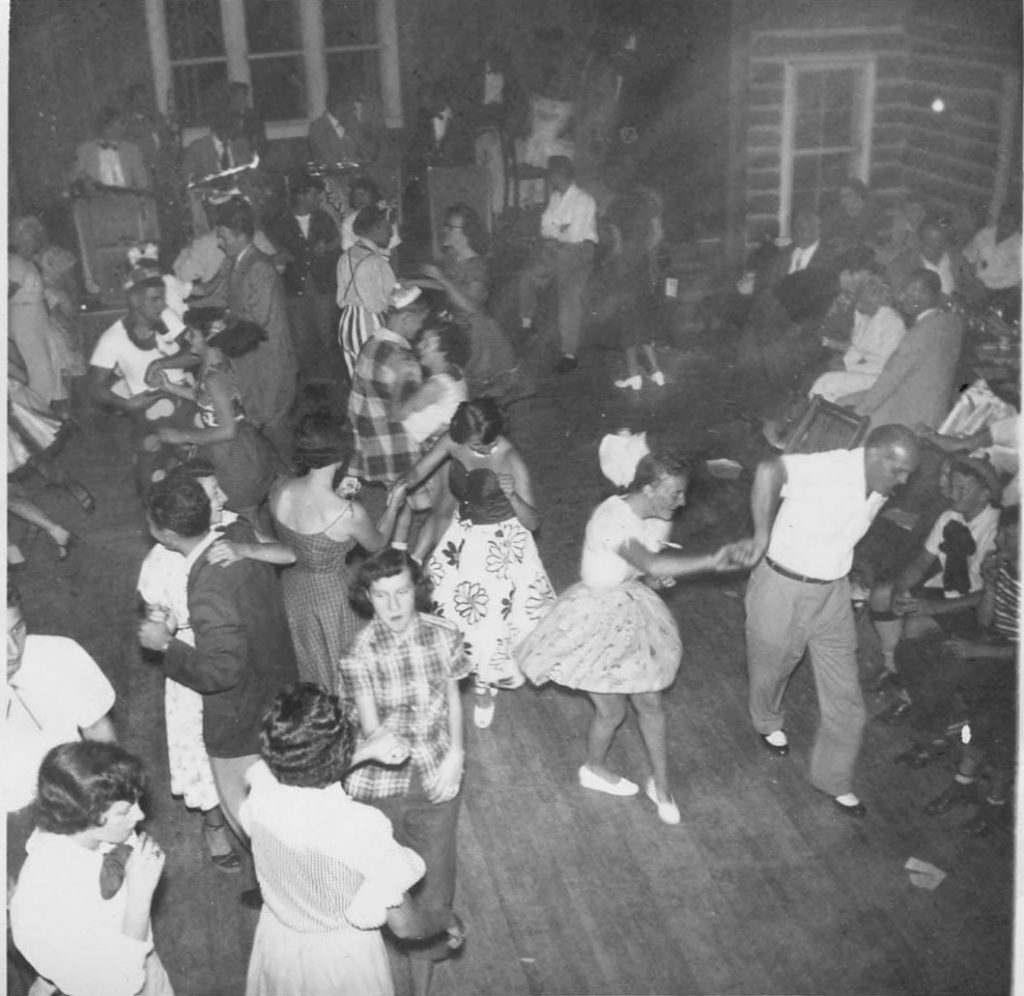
{"x": 944, "y": 268}
{"x": 801, "y": 257}
{"x": 570, "y": 217}
{"x": 111, "y": 170}
{"x": 875, "y": 338}
{"x": 825, "y": 510}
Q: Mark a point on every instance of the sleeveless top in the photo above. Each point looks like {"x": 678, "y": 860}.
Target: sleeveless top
{"x": 481, "y": 499}
{"x": 204, "y": 402}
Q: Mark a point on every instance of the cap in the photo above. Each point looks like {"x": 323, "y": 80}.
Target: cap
{"x": 981, "y": 468}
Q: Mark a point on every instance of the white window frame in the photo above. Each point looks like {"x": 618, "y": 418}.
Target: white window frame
{"x": 311, "y": 29}
{"x": 861, "y": 166}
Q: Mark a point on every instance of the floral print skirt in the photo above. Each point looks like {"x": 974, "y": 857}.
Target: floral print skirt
{"x": 191, "y": 777}
{"x": 489, "y": 580}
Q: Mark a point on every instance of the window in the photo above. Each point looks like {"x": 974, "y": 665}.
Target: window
{"x": 290, "y": 52}
{"x": 826, "y": 130}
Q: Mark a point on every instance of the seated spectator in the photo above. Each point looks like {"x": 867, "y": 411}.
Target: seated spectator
{"x": 984, "y": 671}
{"x": 109, "y": 161}
{"x": 55, "y": 693}
{"x": 877, "y": 331}
{"x": 852, "y": 221}
{"x": 933, "y": 252}
{"x": 1003, "y": 435}
{"x": 308, "y": 246}
{"x": 937, "y": 592}
{"x": 916, "y": 384}
{"x": 993, "y": 256}
{"x": 81, "y": 911}
{"x": 902, "y": 237}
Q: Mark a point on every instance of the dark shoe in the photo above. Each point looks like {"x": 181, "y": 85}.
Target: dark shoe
{"x": 986, "y": 819}
{"x": 776, "y": 750}
{"x": 954, "y": 794}
{"x": 456, "y": 932}
{"x": 895, "y": 715}
{"x": 82, "y": 495}
{"x": 920, "y": 755}
{"x": 218, "y": 845}
{"x": 858, "y": 809}
{"x": 251, "y": 899}
{"x": 566, "y": 364}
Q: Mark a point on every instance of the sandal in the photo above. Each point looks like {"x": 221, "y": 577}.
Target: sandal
{"x": 483, "y": 708}
{"x": 64, "y": 549}
{"x": 218, "y": 844}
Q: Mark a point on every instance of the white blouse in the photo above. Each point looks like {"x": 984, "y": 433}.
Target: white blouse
{"x": 612, "y": 525}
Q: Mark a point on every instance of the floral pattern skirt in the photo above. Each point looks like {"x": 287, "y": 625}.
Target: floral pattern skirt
{"x": 620, "y": 640}
{"x": 191, "y": 777}
{"x": 489, "y": 580}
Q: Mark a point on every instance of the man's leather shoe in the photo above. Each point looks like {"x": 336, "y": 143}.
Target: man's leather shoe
{"x": 954, "y": 794}
{"x": 776, "y": 750}
{"x": 858, "y": 808}
{"x": 566, "y": 364}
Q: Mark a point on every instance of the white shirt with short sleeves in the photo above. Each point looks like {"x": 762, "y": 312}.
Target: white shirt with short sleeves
{"x": 613, "y": 525}
{"x": 825, "y": 510}
{"x": 115, "y": 351}
{"x": 983, "y": 528}
{"x": 570, "y": 217}
{"x": 58, "y": 690}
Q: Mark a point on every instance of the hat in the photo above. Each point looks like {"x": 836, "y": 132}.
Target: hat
{"x": 619, "y": 453}
{"x": 982, "y": 469}
{"x": 402, "y": 295}
{"x": 560, "y": 164}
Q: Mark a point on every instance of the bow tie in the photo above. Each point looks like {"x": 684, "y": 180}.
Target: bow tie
{"x": 109, "y": 145}
{"x": 112, "y": 870}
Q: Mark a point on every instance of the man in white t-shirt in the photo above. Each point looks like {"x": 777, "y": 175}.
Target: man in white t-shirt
{"x": 941, "y": 587}
{"x": 55, "y": 692}
{"x": 809, "y": 512}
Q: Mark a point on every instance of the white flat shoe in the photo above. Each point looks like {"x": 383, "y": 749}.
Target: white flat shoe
{"x": 483, "y": 709}
{"x": 668, "y": 812}
{"x": 658, "y": 378}
{"x": 633, "y": 383}
{"x": 621, "y": 787}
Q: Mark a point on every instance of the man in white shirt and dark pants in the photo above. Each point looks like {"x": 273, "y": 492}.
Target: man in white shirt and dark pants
{"x": 809, "y": 512}
{"x": 568, "y": 229}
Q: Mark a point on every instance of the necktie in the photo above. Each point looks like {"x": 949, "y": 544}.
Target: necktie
{"x": 225, "y": 156}
{"x": 112, "y": 869}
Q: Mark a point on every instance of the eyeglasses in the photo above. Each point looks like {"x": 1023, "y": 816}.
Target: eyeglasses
{"x": 453, "y": 228}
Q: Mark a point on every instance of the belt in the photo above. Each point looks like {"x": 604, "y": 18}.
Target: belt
{"x": 792, "y": 575}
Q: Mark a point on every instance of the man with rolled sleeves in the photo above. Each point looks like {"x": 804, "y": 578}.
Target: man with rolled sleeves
{"x": 809, "y": 512}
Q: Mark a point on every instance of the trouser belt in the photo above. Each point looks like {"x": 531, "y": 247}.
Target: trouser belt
{"x": 792, "y": 575}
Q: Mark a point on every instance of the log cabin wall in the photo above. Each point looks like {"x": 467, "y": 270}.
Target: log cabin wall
{"x": 967, "y": 55}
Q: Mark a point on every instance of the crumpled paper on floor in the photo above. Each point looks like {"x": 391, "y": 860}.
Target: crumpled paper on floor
{"x": 923, "y": 874}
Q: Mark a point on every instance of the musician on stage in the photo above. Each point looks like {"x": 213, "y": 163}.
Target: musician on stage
{"x": 109, "y": 160}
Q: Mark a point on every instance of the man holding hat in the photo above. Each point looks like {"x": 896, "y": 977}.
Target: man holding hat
{"x": 937, "y": 593}
{"x": 568, "y": 231}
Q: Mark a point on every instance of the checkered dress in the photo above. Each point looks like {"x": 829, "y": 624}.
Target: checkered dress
{"x": 408, "y": 679}
{"x": 384, "y": 450}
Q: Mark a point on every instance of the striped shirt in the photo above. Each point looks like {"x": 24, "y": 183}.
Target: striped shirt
{"x": 1007, "y": 605}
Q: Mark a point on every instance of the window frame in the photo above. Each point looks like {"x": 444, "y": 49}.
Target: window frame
{"x": 312, "y": 52}
{"x": 861, "y": 165}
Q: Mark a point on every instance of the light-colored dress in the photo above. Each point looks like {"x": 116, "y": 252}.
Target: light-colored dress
{"x": 329, "y": 870}
{"x": 609, "y": 632}
{"x": 163, "y": 582}
{"x": 487, "y": 576}
{"x": 46, "y": 355}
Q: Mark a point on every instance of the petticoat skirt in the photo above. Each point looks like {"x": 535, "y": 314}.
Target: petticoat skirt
{"x": 488, "y": 579}
{"x": 620, "y": 640}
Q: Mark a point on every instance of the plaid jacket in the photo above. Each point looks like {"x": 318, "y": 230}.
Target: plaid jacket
{"x": 383, "y": 449}
{"x": 408, "y": 679}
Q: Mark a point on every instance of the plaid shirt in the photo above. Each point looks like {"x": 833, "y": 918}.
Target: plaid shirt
{"x": 408, "y": 678}
{"x": 384, "y": 451}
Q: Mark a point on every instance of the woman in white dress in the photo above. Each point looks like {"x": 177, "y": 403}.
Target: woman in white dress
{"x": 610, "y": 635}
{"x": 329, "y": 869}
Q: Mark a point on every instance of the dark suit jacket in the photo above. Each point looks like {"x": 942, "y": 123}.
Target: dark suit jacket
{"x": 201, "y": 157}
{"x": 87, "y": 164}
{"x": 321, "y": 269}
{"x": 243, "y": 652}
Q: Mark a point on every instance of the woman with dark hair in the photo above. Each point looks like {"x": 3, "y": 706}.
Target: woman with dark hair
{"x": 487, "y": 575}
{"x": 242, "y": 458}
{"x": 463, "y": 276}
{"x": 329, "y": 869}
{"x": 81, "y": 911}
{"x": 610, "y": 636}
{"x": 322, "y": 527}
{"x": 365, "y": 281}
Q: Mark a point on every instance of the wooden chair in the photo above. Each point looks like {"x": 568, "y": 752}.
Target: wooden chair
{"x": 825, "y": 426}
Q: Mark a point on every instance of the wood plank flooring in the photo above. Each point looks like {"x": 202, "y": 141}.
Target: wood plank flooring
{"x": 762, "y": 889}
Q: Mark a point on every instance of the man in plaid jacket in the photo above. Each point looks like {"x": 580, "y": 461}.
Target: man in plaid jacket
{"x": 386, "y": 373}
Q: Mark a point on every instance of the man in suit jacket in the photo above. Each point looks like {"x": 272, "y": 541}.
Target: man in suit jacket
{"x": 110, "y": 160}
{"x": 309, "y": 244}
{"x": 916, "y": 383}
{"x": 243, "y": 651}
{"x": 254, "y": 292}
{"x": 223, "y": 148}
{"x": 346, "y": 131}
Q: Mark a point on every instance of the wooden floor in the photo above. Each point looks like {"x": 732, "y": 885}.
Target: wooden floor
{"x": 764, "y": 888}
